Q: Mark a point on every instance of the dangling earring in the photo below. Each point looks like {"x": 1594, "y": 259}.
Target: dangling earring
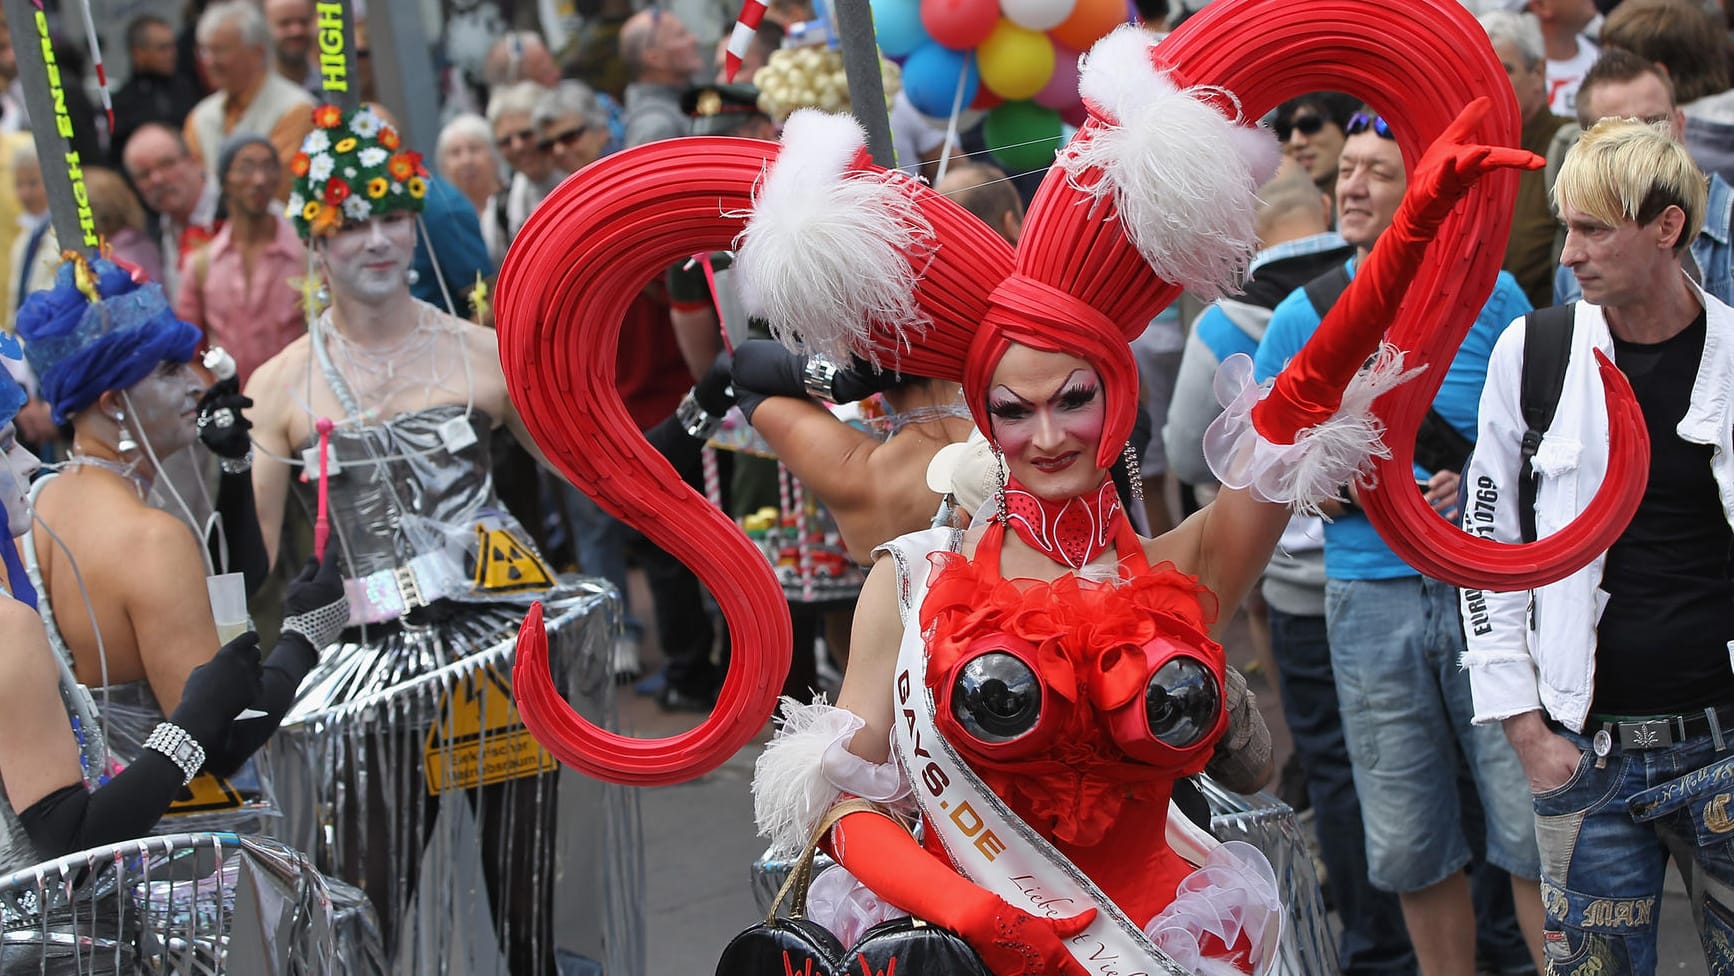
{"x": 322, "y": 294}
{"x": 125, "y": 444}
{"x": 999, "y": 480}
{"x": 412, "y": 276}
{"x": 1134, "y": 477}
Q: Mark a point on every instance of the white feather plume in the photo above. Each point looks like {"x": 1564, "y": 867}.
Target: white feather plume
{"x": 1183, "y": 178}
{"x": 830, "y": 256}
{"x": 790, "y": 789}
{"x": 1340, "y": 448}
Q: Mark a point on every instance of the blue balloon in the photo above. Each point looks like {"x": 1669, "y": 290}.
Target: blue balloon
{"x": 930, "y": 78}
{"x": 897, "y": 26}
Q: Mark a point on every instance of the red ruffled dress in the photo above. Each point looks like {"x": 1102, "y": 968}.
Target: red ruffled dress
{"x": 1101, "y": 807}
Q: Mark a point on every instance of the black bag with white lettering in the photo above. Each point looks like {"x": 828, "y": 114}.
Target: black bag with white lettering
{"x": 798, "y": 945}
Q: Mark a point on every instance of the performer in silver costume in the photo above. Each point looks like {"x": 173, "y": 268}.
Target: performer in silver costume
{"x": 403, "y": 764}
{"x": 112, "y": 360}
{"x": 69, "y": 782}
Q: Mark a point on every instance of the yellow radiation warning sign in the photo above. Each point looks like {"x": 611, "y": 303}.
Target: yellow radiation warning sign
{"x": 205, "y": 794}
{"x": 480, "y": 740}
{"x": 505, "y": 565}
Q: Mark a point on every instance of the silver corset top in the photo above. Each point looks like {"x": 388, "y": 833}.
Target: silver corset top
{"x": 412, "y": 504}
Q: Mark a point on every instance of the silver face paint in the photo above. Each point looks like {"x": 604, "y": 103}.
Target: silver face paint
{"x": 163, "y": 408}
{"x": 368, "y": 262}
{"x": 16, "y": 466}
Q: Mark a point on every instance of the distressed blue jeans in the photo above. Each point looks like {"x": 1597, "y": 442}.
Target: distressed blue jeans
{"x": 1606, "y": 835}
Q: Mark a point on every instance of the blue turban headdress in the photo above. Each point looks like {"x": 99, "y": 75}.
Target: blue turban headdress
{"x": 96, "y": 330}
{"x": 12, "y": 396}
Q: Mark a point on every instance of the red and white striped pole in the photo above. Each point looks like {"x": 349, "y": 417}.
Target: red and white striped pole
{"x": 752, "y": 15}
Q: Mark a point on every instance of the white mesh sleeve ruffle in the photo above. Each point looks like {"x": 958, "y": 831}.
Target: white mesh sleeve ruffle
{"x": 841, "y": 903}
{"x": 1322, "y": 458}
{"x": 807, "y": 765}
{"x": 1233, "y": 894}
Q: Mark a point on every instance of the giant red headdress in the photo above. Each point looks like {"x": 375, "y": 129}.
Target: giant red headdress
{"x": 1081, "y": 280}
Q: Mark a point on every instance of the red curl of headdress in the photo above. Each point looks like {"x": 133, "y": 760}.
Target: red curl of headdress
{"x": 587, "y": 250}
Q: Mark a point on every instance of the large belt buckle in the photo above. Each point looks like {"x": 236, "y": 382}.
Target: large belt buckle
{"x": 1650, "y": 734}
{"x": 406, "y": 585}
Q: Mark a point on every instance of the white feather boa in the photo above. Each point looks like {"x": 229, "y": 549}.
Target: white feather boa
{"x": 1183, "y": 178}
{"x": 1322, "y": 458}
{"x": 830, "y": 256}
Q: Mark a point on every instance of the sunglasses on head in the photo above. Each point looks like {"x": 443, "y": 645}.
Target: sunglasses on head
{"x": 563, "y": 140}
{"x": 1361, "y": 122}
{"x": 1306, "y": 125}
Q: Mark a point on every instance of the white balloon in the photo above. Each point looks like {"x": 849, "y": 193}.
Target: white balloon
{"x": 1037, "y": 15}
{"x": 967, "y": 119}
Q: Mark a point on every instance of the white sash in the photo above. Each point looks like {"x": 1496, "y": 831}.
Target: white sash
{"x": 988, "y": 843}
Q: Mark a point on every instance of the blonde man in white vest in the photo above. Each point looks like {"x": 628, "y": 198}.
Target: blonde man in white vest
{"x": 234, "y": 47}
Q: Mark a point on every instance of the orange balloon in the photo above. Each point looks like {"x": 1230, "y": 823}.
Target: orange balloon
{"x": 1090, "y": 20}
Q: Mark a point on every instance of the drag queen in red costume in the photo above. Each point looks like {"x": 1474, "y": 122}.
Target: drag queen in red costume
{"x": 1030, "y": 688}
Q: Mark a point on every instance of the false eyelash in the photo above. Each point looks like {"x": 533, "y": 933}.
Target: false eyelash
{"x": 1078, "y": 397}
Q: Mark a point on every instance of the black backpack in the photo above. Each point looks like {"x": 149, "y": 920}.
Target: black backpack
{"x": 1546, "y": 349}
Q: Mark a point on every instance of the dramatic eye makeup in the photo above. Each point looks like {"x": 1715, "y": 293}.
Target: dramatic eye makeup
{"x": 1078, "y": 395}
{"x": 1079, "y": 390}
{"x": 1008, "y": 406}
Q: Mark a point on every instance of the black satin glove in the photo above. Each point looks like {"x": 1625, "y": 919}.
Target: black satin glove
{"x": 315, "y": 610}
{"x": 714, "y": 391}
{"x": 764, "y": 369}
{"x": 218, "y": 690}
{"x": 222, "y": 426}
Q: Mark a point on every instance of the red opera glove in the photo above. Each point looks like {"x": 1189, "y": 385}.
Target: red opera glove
{"x": 1309, "y": 389}
{"x": 1010, "y": 941}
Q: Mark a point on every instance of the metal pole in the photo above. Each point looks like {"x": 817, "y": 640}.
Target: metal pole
{"x": 861, "y": 67}
{"x": 334, "y": 36}
{"x": 51, "y": 126}
{"x": 403, "y": 70}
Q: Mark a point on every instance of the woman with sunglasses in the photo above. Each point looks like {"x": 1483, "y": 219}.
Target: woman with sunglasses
{"x": 571, "y": 126}
{"x": 1311, "y": 129}
{"x": 532, "y": 172}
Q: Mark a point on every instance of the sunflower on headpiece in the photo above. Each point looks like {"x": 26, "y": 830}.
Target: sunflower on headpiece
{"x": 352, "y": 167}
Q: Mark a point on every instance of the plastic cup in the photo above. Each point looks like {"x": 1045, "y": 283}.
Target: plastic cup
{"x": 229, "y": 605}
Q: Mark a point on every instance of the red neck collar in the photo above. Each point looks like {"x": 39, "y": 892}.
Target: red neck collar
{"x": 1072, "y": 532}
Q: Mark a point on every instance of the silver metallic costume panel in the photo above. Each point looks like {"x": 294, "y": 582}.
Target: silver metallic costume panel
{"x": 1307, "y": 947}
{"x": 185, "y": 904}
{"x": 515, "y": 857}
{"x": 418, "y": 520}
{"x": 403, "y": 765}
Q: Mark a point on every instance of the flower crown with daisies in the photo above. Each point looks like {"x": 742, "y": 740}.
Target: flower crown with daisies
{"x": 350, "y": 169}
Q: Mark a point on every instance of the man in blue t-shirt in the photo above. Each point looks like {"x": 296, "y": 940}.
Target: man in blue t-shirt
{"x": 1395, "y": 636}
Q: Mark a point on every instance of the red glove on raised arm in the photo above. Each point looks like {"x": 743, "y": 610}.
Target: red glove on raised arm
{"x": 1012, "y": 942}
{"x": 1308, "y": 390}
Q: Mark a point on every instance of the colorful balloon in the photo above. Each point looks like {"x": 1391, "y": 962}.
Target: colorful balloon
{"x": 1088, "y": 22}
{"x": 897, "y": 26}
{"x": 1061, "y": 91}
{"x": 930, "y": 77}
{"x": 1015, "y": 61}
{"x": 1037, "y": 14}
{"x": 959, "y": 24}
{"x": 1023, "y": 136}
